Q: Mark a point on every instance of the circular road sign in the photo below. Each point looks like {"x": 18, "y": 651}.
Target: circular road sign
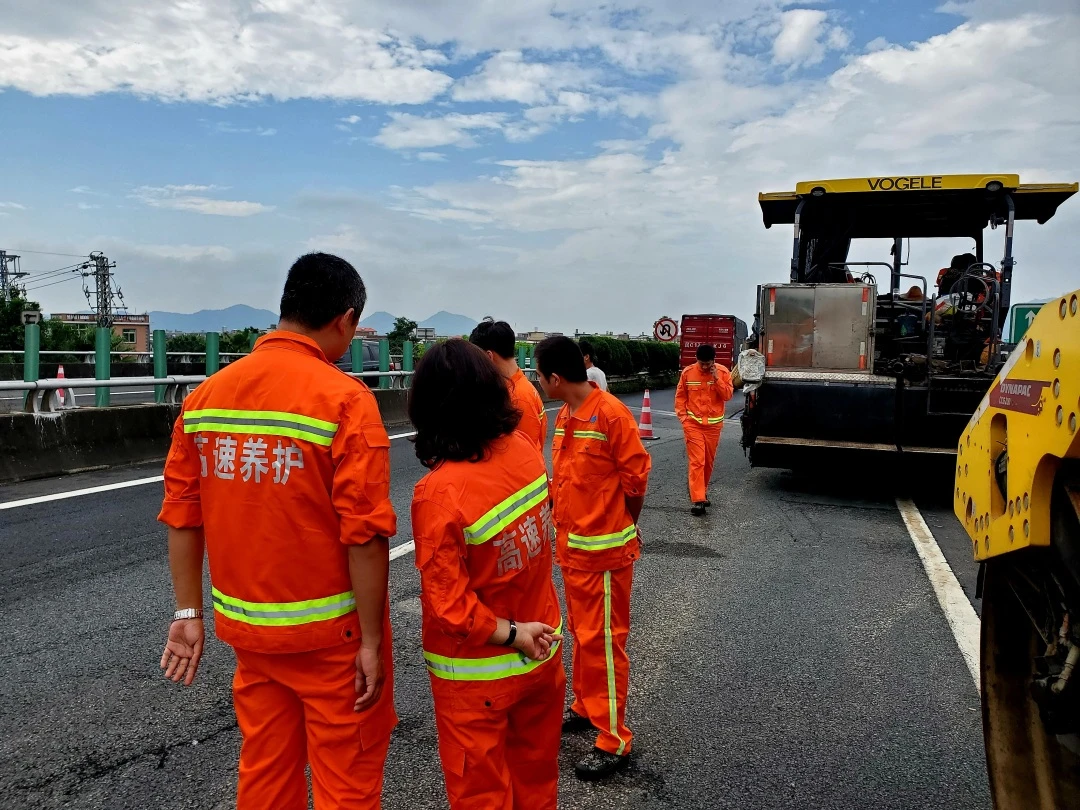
{"x": 665, "y": 329}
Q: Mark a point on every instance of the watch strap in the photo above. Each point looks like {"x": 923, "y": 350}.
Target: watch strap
{"x": 187, "y": 613}
{"x": 513, "y": 634}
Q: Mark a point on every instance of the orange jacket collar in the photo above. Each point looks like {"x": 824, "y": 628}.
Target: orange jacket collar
{"x": 589, "y": 406}
{"x": 292, "y": 341}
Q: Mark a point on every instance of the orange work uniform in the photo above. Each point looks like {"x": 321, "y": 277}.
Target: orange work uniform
{"x": 483, "y": 548}
{"x": 284, "y": 461}
{"x": 699, "y": 403}
{"x": 524, "y": 397}
{"x": 599, "y": 461}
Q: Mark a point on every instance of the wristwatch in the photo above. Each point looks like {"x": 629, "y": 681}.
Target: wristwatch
{"x": 187, "y": 613}
{"x": 513, "y": 634}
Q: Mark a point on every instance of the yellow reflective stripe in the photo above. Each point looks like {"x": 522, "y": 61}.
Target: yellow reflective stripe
{"x": 714, "y": 420}
{"x": 284, "y": 614}
{"x": 485, "y": 669}
{"x": 590, "y": 434}
{"x": 604, "y": 541}
{"x": 261, "y": 423}
{"x": 693, "y": 382}
{"x": 609, "y": 658}
{"x": 560, "y": 432}
{"x": 503, "y": 514}
{"x": 692, "y": 416}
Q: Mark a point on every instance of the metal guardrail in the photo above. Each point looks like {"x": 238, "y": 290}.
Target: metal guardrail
{"x": 44, "y": 395}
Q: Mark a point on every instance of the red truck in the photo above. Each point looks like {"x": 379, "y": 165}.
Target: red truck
{"x": 726, "y": 332}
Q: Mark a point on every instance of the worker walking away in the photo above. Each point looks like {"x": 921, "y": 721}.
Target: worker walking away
{"x": 497, "y": 339}
{"x": 491, "y": 628}
{"x": 601, "y": 470}
{"x": 279, "y": 465}
{"x": 700, "y": 398}
{"x": 594, "y": 374}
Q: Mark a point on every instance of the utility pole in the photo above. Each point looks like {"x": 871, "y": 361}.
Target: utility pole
{"x": 99, "y": 269}
{"x": 9, "y": 274}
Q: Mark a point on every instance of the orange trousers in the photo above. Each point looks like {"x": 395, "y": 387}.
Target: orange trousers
{"x": 499, "y": 740}
{"x": 598, "y": 617}
{"x": 701, "y": 444}
{"x": 297, "y": 708}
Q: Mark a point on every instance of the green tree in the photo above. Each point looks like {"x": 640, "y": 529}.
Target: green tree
{"x": 193, "y": 342}
{"x": 12, "y": 331}
{"x": 238, "y": 342}
{"x": 402, "y": 331}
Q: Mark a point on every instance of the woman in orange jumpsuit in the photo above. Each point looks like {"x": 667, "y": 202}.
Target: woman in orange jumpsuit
{"x": 491, "y": 623}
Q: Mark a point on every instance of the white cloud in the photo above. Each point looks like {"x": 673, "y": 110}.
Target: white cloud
{"x": 350, "y": 120}
{"x": 84, "y": 206}
{"x": 14, "y": 205}
{"x": 406, "y": 131}
{"x": 191, "y": 198}
{"x": 185, "y": 253}
{"x": 431, "y": 157}
{"x": 209, "y": 51}
{"x": 506, "y": 76}
{"x": 226, "y": 128}
{"x": 800, "y": 41}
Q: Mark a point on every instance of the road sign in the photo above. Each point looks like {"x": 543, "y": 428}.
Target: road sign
{"x": 424, "y": 333}
{"x": 31, "y": 316}
{"x": 1022, "y": 316}
{"x": 665, "y": 329}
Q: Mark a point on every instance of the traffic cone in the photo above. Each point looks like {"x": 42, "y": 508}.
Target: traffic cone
{"x": 645, "y": 429}
{"x": 60, "y": 391}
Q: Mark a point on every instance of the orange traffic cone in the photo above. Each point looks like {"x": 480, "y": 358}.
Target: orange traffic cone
{"x": 645, "y": 429}
{"x": 60, "y": 391}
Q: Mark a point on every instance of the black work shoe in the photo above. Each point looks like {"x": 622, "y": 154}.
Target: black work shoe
{"x": 599, "y": 764}
{"x": 697, "y": 510}
{"x": 572, "y": 721}
{"x": 708, "y": 503}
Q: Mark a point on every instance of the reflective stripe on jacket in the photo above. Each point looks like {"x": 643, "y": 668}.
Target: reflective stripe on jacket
{"x": 284, "y": 461}
{"x": 700, "y": 398}
{"x": 483, "y": 548}
{"x": 598, "y": 461}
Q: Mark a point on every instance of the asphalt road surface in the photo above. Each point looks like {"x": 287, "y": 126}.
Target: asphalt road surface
{"x": 787, "y": 651}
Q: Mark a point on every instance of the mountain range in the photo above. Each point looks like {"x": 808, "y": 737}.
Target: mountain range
{"x": 241, "y": 316}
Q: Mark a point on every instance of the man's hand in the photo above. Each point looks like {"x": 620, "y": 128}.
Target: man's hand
{"x": 369, "y": 676}
{"x": 183, "y": 649}
{"x": 534, "y": 640}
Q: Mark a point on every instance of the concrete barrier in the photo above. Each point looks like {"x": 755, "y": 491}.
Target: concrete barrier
{"x": 42, "y": 446}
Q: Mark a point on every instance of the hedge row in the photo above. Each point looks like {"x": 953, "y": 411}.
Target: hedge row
{"x": 622, "y": 358}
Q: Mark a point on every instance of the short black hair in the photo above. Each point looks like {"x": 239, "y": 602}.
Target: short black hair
{"x": 494, "y": 336}
{"x": 962, "y": 261}
{"x": 587, "y": 349}
{"x": 560, "y": 355}
{"x": 319, "y": 288}
{"x": 459, "y": 404}
{"x": 706, "y": 352}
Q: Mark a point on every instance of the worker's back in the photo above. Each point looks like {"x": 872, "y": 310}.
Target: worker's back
{"x": 277, "y": 474}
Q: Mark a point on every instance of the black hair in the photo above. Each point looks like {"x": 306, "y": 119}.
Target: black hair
{"x": 459, "y": 404}
{"x": 706, "y": 352}
{"x": 494, "y": 336}
{"x": 319, "y": 288}
{"x": 560, "y": 355}
{"x": 587, "y": 349}
{"x": 962, "y": 261}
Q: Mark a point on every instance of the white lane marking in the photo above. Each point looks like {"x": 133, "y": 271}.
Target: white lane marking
{"x": 402, "y": 550}
{"x": 75, "y": 493}
{"x": 958, "y": 610}
{"x": 59, "y": 496}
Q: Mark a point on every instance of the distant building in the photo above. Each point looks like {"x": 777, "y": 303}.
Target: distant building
{"x": 536, "y": 336}
{"x": 134, "y": 330}
{"x": 365, "y": 332}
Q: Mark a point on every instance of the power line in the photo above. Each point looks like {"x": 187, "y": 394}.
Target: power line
{"x": 52, "y": 284}
{"x": 36, "y": 277}
{"x": 47, "y": 253}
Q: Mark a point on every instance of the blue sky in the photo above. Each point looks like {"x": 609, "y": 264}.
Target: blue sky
{"x": 562, "y": 165}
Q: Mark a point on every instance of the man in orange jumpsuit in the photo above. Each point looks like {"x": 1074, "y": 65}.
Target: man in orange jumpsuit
{"x": 482, "y": 523}
{"x": 601, "y": 470}
{"x": 497, "y": 338}
{"x": 279, "y": 468}
{"x": 703, "y": 391}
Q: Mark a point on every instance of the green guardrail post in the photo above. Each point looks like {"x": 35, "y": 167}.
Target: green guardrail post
{"x": 161, "y": 364}
{"x": 532, "y": 356}
{"x": 213, "y": 353}
{"x": 357, "y": 355}
{"x": 384, "y": 362}
{"x": 102, "y": 363}
{"x": 522, "y": 354}
{"x": 253, "y": 338}
{"x": 406, "y": 361}
{"x": 32, "y": 356}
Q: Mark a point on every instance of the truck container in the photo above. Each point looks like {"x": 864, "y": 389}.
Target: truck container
{"x": 726, "y": 332}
